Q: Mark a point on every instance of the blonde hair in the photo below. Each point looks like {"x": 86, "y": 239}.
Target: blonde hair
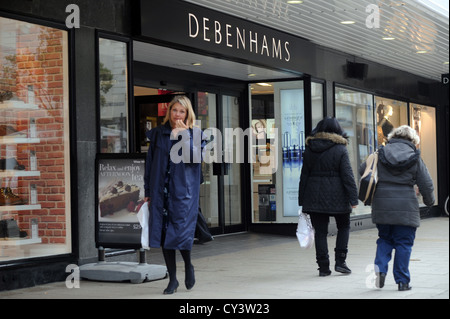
{"x": 405, "y": 132}
{"x": 186, "y": 103}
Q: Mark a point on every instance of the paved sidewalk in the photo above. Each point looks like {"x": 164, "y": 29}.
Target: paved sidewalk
{"x": 261, "y": 266}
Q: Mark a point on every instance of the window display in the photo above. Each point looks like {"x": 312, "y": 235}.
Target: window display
{"x": 423, "y": 120}
{"x": 113, "y": 73}
{"x": 278, "y": 124}
{"x": 34, "y": 141}
{"x": 389, "y": 115}
{"x": 354, "y": 111}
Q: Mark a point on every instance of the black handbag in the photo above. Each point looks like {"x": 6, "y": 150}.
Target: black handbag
{"x": 202, "y": 232}
{"x": 369, "y": 180}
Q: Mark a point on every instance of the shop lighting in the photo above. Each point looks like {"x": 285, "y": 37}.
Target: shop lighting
{"x": 388, "y": 38}
{"x": 196, "y": 64}
{"x": 348, "y": 22}
{"x": 294, "y": 1}
{"x": 264, "y": 84}
{"x": 421, "y": 51}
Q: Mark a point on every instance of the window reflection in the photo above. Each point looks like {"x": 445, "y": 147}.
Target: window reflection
{"x": 354, "y": 111}
{"x": 113, "y": 96}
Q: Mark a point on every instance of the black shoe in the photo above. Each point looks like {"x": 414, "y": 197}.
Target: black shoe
{"x": 324, "y": 272}
{"x": 403, "y": 287}
{"x": 342, "y": 268}
{"x": 171, "y": 288}
{"x": 381, "y": 277}
{"x": 190, "y": 277}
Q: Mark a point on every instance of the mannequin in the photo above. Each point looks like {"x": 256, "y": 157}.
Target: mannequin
{"x": 384, "y": 126}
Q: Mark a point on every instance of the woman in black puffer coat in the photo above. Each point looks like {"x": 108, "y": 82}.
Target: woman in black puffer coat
{"x": 327, "y": 188}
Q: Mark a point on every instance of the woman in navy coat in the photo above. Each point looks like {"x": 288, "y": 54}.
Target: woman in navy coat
{"x": 172, "y": 185}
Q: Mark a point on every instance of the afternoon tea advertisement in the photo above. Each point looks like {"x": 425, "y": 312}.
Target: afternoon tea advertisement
{"x": 120, "y": 194}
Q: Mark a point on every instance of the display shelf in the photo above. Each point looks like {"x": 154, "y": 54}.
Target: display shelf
{"x": 19, "y": 140}
{"x": 15, "y": 208}
{"x": 15, "y": 173}
{"x": 17, "y": 105}
{"x": 19, "y": 241}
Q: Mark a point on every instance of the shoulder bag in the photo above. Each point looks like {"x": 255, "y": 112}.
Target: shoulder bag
{"x": 369, "y": 179}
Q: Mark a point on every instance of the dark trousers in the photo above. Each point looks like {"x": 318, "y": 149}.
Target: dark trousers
{"x": 320, "y": 223}
{"x": 400, "y": 238}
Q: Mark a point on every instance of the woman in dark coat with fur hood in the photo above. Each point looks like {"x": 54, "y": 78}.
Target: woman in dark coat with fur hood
{"x": 395, "y": 207}
{"x": 327, "y": 188}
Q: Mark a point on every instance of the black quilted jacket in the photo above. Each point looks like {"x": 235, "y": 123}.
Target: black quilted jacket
{"x": 327, "y": 184}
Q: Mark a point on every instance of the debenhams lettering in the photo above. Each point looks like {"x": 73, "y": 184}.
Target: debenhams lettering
{"x": 239, "y": 38}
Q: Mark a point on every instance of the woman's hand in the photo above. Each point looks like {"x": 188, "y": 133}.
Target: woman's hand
{"x": 179, "y": 126}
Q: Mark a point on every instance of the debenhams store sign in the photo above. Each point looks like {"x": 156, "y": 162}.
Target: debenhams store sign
{"x": 241, "y": 39}
{"x": 184, "y": 25}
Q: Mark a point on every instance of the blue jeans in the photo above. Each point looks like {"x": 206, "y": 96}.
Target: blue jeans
{"x": 400, "y": 238}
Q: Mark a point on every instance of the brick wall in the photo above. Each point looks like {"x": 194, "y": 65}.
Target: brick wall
{"x": 38, "y": 63}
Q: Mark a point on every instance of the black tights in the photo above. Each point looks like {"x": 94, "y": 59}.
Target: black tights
{"x": 171, "y": 264}
{"x": 170, "y": 259}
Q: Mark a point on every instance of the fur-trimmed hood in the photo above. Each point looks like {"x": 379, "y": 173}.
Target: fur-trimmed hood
{"x": 322, "y": 141}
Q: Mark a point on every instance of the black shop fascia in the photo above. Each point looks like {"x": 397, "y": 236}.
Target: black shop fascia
{"x": 189, "y": 27}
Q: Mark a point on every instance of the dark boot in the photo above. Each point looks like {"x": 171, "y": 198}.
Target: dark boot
{"x": 341, "y": 266}
{"x": 381, "y": 277}
{"x": 324, "y": 267}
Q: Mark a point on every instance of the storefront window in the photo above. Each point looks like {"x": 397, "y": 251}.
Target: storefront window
{"x": 389, "y": 115}
{"x": 278, "y": 124}
{"x": 209, "y": 189}
{"x": 34, "y": 141}
{"x": 423, "y": 120}
{"x": 354, "y": 111}
{"x": 113, "y": 88}
{"x": 316, "y": 103}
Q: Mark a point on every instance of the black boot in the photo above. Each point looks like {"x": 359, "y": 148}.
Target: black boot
{"x": 324, "y": 267}
{"x": 341, "y": 266}
{"x": 403, "y": 287}
{"x": 381, "y": 277}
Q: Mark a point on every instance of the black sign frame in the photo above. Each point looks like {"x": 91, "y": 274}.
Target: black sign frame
{"x": 118, "y": 234}
{"x": 174, "y": 23}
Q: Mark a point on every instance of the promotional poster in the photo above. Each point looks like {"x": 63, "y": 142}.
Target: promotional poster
{"x": 120, "y": 193}
{"x": 293, "y": 146}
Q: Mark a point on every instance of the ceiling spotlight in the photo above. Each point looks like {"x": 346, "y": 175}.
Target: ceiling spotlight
{"x": 264, "y": 84}
{"x": 196, "y": 63}
{"x": 348, "y": 22}
{"x": 421, "y": 51}
{"x": 251, "y": 75}
{"x": 388, "y": 38}
{"x": 294, "y": 1}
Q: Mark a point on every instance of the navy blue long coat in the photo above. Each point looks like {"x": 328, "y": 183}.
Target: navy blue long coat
{"x": 184, "y": 185}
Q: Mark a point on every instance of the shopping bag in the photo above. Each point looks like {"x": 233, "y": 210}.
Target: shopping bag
{"x": 368, "y": 180}
{"x": 305, "y": 230}
{"x": 143, "y": 216}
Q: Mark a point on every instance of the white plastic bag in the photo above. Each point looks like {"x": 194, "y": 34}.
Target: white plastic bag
{"x": 143, "y": 216}
{"x": 305, "y": 230}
